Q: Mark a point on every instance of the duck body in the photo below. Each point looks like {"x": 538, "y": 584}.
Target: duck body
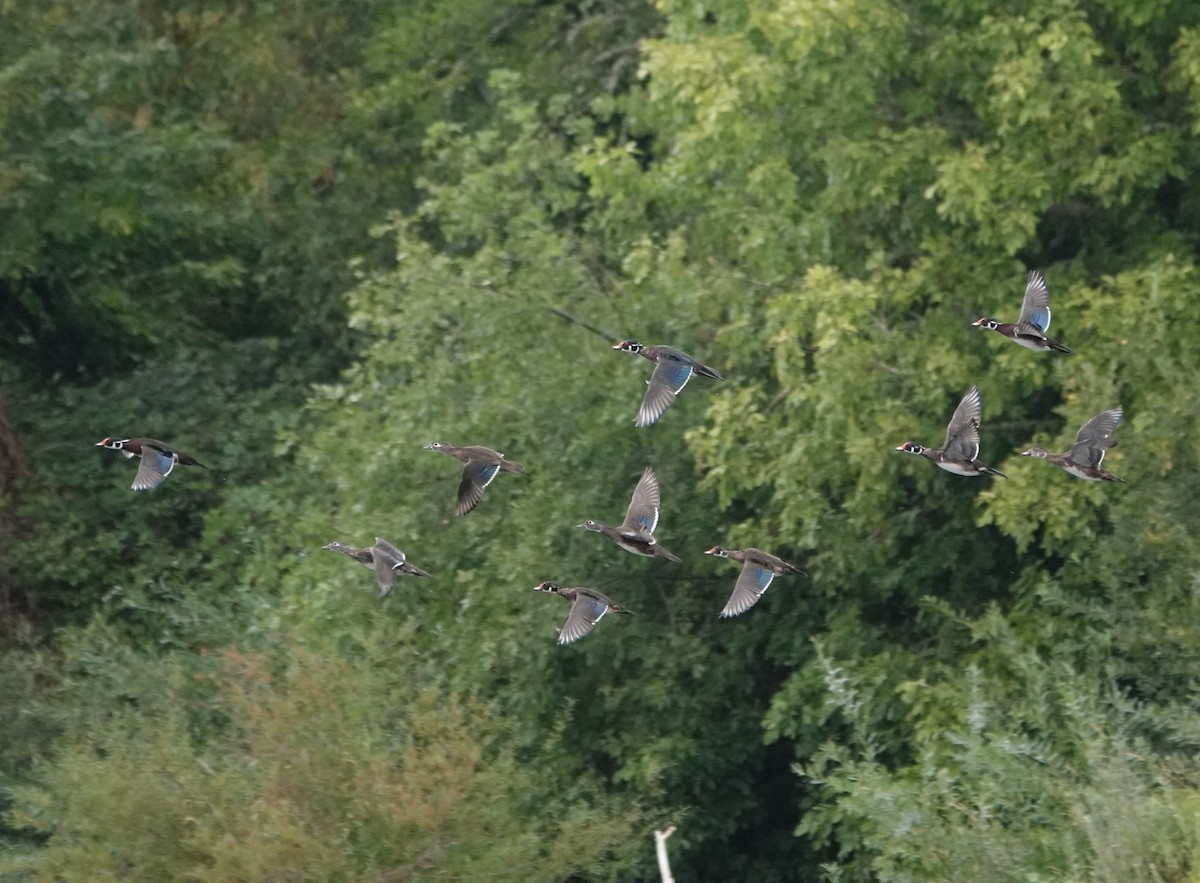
{"x": 636, "y": 533}
{"x": 1025, "y": 336}
{"x": 387, "y": 561}
{"x": 1087, "y": 454}
{"x": 630, "y": 540}
{"x": 480, "y": 467}
{"x": 158, "y": 459}
{"x": 1062, "y": 461}
{"x": 759, "y": 569}
{"x": 955, "y": 466}
{"x": 959, "y": 453}
{"x": 1031, "y": 326}
{"x": 588, "y": 607}
{"x": 673, "y": 369}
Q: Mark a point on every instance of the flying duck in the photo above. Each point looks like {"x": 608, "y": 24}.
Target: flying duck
{"x": 636, "y": 533}
{"x": 1091, "y": 443}
{"x": 480, "y": 466}
{"x": 587, "y": 608}
{"x": 388, "y": 562}
{"x": 673, "y": 369}
{"x": 961, "y": 447}
{"x": 1031, "y": 326}
{"x": 758, "y": 569}
{"x": 158, "y": 459}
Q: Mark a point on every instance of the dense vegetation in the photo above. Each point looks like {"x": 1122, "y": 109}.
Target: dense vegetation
{"x": 301, "y": 240}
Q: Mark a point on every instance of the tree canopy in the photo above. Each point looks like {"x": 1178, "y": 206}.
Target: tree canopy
{"x": 302, "y": 242}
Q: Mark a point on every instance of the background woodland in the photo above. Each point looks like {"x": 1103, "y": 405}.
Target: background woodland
{"x": 299, "y": 240}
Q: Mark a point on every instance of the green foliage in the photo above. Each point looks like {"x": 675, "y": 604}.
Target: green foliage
{"x": 323, "y": 768}
{"x": 909, "y": 156}
{"x": 1030, "y": 773}
{"x": 474, "y": 314}
{"x": 96, "y": 543}
{"x": 976, "y": 678}
{"x": 432, "y": 63}
{"x": 155, "y": 187}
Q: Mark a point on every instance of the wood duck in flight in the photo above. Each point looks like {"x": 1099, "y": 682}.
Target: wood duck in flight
{"x": 587, "y": 608}
{"x": 673, "y": 369}
{"x": 157, "y": 459}
{"x": 759, "y": 568}
{"x": 1091, "y": 443}
{"x": 958, "y": 453}
{"x": 1031, "y": 326}
{"x": 636, "y": 532}
{"x": 387, "y": 561}
{"x": 480, "y": 467}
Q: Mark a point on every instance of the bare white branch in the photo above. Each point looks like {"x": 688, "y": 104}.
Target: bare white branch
{"x": 660, "y": 847}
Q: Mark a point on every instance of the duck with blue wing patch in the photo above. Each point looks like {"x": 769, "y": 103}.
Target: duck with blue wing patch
{"x": 759, "y": 568}
{"x": 636, "y": 532}
{"x": 480, "y": 467}
{"x": 1031, "y": 326}
{"x": 158, "y": 459}
{"x": 587, "y": 608}
{"x": 673, "y": 369}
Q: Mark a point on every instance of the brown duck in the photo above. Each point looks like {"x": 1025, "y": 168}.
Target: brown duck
{"x": 387, "y": 561}
{"x": 1031, "y": 326}
{"x": 480, "y": 467}
{"x": 157, "y": 459}
{"x": 1091, "y": 443}
{"x": 672, "y": 370}
{"x": 636, "y": 533}
{"x": 959, "y": 452}
{"x": 759, "y": 568}
{"x": 587, "y": 608}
